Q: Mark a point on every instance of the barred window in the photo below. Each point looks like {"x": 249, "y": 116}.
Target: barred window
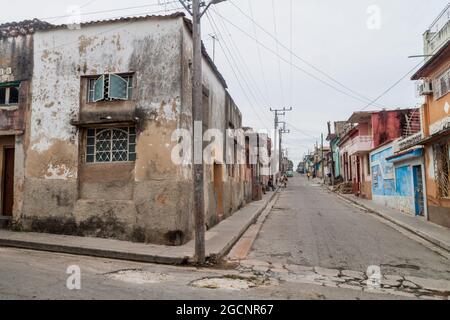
{"x": 442, "y": 168}
{"x": 441, "y": 85}
{"x": 111, "y": 145}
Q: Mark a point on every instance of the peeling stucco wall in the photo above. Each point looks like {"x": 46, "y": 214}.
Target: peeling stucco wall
{"x": 219, "y": 101}
{"x": 146, "y": 200}
{"x": 16, "y": 54}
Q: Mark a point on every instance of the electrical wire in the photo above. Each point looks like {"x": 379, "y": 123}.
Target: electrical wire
{"x": 227, "y": 57}
{"x": 261, "y": 68}
{"x": 392, "y": 86}
{"x": 361, "y": 96}
{"x": 278, "y": 51}
{"x": 264, "y": 99}
{"x": 288, "y": 62}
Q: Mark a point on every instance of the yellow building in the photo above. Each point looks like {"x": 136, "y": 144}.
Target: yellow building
{"x": 434, "y": 85}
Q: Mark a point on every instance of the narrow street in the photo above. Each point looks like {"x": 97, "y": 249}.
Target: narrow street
{"x": 310, "y": 226}
{"x": 312, "y": 245}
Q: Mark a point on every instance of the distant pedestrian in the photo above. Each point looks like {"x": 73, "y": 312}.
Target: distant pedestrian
{"x": 284, "y": 181}
{"x": 270, "y": 184}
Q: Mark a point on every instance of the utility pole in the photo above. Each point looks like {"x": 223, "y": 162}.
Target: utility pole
{"x": 194, "y": 8}
{"x": 321, "y": 160}
{"x": 214, "y": 39}
{"x": 281, "y": 132}
{"x": 332, "y": 155}
{"x": 278, "y": 112}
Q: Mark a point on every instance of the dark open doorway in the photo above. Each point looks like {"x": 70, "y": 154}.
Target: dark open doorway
{"x": 8, "y": 182}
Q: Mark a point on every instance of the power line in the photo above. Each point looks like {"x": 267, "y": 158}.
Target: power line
{"x": 392, "y": 86}
{"x": 233, "y": 60}
{"x": 300, "y": 58}
{"x": 291, "y": 80}
{"x": 278, "y": 51}
{"x": 214, "y": 27}
{"x": 109, "y": 30}
{"x": 259, "y": 50}
{"x": 107, "y": 11}
{"x": 301, "y": 131}
{"x": 245, "y": 67}
{"x": 294, "y": 65}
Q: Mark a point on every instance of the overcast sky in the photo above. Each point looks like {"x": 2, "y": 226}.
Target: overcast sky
{"x": 359, "y": 47}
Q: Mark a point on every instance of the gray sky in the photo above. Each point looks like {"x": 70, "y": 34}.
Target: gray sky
{"x": 331, "y": 36}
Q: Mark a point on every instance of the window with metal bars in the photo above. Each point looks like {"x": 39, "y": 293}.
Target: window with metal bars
{"x": 111, "y": 145}
{"x": 442, "y": 168}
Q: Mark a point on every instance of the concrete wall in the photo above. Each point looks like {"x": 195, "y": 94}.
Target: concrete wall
{"x": 146, "y": 200}
{"x": 222, "y": 110}
{"x": 16, "y": 53}
{"x": 393, "y": 183}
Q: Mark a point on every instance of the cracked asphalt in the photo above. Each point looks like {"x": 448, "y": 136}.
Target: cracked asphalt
{"x": 308, "y": 229}
{"x": 26, "y": 274}
{"x": 310, "y": 226}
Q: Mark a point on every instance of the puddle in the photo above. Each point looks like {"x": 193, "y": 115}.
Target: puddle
{"x": 232, "y": 282}
{"x": 138, "y": 276}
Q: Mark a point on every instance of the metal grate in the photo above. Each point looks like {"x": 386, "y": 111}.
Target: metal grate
{"x": 111, "y": 145}
{"x": 442, "y": 169}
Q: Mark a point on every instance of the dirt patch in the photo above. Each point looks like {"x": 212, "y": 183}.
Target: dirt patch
{"x": 138, "y": 276}
{"x": 233, "y": 282}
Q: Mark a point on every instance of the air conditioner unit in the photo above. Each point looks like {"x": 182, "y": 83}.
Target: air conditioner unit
{"x": 424, "y": 88}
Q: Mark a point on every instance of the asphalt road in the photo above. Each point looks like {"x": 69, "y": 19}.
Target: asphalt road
{"x": 26, "y": 274}
{"x": 311, "y": 226}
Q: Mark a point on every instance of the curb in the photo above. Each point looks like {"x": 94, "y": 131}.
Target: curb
{"x": 405, "y": 226}
{"x": 101, "y": 253}
{"x": 132, "y": 256}
{"x": 216, "y": 257}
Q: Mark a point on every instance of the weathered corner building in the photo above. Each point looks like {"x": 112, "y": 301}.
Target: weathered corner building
{"x": 86, "y": 130}
{"x": 16, "y": 69}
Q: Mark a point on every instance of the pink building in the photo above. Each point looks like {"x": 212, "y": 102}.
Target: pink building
{"x": 365, "y": 131}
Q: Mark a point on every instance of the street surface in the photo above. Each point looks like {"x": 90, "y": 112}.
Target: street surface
{"x": 310, "y": 226}
{"x": 312, "y": 245}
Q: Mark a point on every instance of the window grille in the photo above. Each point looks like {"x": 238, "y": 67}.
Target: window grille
{"x": 111, "y": 145}
{"x": 442, "y": 169}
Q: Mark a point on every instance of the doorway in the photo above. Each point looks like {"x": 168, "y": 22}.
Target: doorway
{"x": 218, "y": 189}
{"x": 418, "y": 191}
{"x": 8, "y": 182}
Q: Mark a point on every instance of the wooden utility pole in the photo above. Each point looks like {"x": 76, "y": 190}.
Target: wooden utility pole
{"x": 321, "y": 160}
{"x": 278, "y": 112}
{"x": 194, "y": 8}
{"x": 197, "y": 108}
{"x": 332, "y": 155}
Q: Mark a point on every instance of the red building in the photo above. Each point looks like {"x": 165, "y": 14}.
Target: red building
{"x": 367, "y": 130}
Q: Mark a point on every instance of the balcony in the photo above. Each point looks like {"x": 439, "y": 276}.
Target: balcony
{"x": 438, "y": 33}
{"x": 360, "y": 144}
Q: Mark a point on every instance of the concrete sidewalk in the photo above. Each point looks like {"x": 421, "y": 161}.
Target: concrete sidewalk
{"x": 439, "y": 236}
{"x": 219, "y": 240}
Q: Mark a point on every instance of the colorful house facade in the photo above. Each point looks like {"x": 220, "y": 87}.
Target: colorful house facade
{"x": 365, "y": 131}
{"x": 434, "y": 84}
{"x": 397, "y": 178}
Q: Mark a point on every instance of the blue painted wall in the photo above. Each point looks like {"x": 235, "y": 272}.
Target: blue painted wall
{"x": 403, "y": 181}
{"x": 383, "y": 182}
